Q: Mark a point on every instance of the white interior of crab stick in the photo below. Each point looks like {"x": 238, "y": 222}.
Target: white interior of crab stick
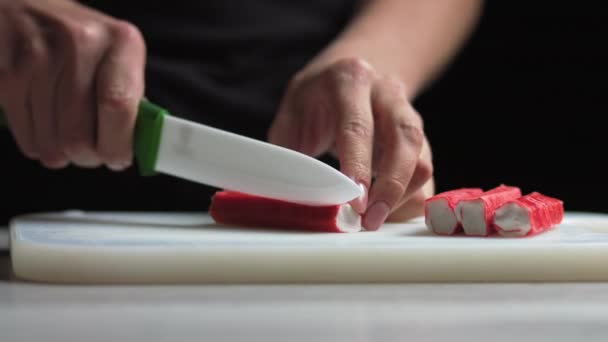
{"x": 512, "y": 220}
{"x": 472, "y": 217}
{"x": 348, "y": 220}
{"x": 440, "y": 217}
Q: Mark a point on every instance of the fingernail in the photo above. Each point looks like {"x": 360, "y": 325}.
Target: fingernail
{"x": 85, "y": 159}
{"x": 32, "y": 154}
{"x": 360, "y": 203}
{"x": 119, "y": 166}
{"x": 375, "y": 215}
{"x": 55, "y": 164}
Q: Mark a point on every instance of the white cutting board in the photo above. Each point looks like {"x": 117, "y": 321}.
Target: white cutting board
{"x": 79, "y": 247}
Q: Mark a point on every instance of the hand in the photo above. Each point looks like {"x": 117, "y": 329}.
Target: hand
{"x": 366, "y": 120}
{"x": 70, "y": 82}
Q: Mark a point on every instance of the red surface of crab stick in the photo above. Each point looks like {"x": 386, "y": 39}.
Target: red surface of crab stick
{"x": 475, "y": 214}
{"x": 528, "y": 215}
{"x": 234, "y": 208}
{"x": 439, "y": 210}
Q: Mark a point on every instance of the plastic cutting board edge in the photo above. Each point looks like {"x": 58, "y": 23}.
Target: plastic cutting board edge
{"x": 83, "y": 247}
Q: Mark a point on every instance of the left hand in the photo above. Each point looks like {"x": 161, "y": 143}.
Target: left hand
{"x": 367, "y": 121}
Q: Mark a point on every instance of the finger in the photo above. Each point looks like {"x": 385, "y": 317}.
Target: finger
{"x": 304, "y": 122}
{"x": 399, "y": 139}
{"x": 422, "y": 173}
{"x": 85, "y": 41}
{"x": 29, "y": 50}
{"x": 120, "y": 86}
{"x": 285, "y": 130}
{"x": 351, "y": 82}
{"x": 414, "y": 206}
{"x": 43, "y": 106}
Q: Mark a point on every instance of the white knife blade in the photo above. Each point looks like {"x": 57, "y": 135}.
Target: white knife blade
{"x": 222, "y": 159}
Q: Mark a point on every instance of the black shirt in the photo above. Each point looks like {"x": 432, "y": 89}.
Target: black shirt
{"x": 225, "y": 63}
{"x": 222, "y": 63}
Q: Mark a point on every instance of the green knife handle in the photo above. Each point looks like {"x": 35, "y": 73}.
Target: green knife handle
{"x": 147, "y": 135}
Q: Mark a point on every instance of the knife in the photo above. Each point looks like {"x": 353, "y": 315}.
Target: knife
{"x": 166, "y": 144}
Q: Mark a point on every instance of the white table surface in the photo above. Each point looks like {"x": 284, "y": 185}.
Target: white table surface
{"x": 358, "y": 312}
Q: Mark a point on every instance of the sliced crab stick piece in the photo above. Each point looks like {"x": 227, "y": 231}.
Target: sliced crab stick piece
{"x": 235, "y": 208}
{"x": 439, "y": 210}
{"x": 475, "y": 214}
{"x": 528, "y": 215}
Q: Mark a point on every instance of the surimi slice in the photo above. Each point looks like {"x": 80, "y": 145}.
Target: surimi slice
{"x": 475, "y": 214}
{"x": 229, "y": 207}
{"x": 439, "y": 210}
{"x": 529, "y": 215}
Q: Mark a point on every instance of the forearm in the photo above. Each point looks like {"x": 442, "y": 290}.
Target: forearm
{"x": 410, "y": 39}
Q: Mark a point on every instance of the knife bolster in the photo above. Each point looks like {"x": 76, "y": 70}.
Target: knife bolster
{"x": 147, "y": 136}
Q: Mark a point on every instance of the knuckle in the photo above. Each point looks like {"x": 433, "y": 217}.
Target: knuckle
{"x": 85, "y": 35}
{"x": 116, "y": 99}
{"x": 352, "y": 70}
{"x": 357, "y": 128}
{"x": 396, "y": 184}
{"x": 128, "y": 32}
{"x": 411, "y": 130}
{"x": 89, "y": 32}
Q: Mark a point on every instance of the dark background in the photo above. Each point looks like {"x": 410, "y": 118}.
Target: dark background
{"x": 522, "y": 104}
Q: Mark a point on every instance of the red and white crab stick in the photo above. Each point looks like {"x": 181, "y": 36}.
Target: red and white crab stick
{"x": 229, "y": 207}
{"x": 528, "y": 215}
{"x": 439, "y": 210}
{"x": 475, "y": 214}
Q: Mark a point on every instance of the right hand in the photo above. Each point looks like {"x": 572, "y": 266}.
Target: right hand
{"x": 70, "y": 82}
